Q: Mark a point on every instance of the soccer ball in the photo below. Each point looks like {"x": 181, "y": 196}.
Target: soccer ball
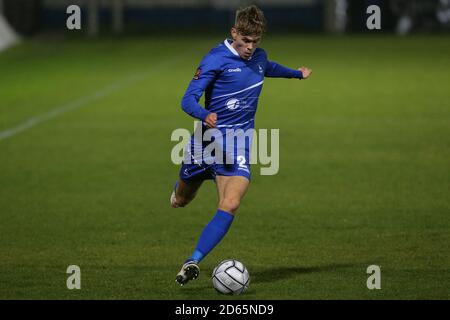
{"x": 230, "y": 277}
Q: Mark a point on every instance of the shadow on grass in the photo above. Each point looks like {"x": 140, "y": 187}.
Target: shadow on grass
{"x": 280, "y": 273}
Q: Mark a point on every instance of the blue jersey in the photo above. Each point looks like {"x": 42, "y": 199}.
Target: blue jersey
{"x": 232, "y": 86}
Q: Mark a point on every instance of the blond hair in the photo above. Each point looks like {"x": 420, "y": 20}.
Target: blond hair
{"x": 250, "y": 21}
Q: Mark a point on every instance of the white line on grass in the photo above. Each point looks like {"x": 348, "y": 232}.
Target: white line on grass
{"x": 97, "y": 95}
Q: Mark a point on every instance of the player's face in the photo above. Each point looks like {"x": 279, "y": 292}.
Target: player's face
{"x": 244, "y": 45}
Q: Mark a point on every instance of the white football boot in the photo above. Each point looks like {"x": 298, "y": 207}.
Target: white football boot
{"x": 189, "y": 271}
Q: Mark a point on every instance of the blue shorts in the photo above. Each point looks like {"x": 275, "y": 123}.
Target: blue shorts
{"x": 205, "y": 171}
{"x": 235, "y": 163}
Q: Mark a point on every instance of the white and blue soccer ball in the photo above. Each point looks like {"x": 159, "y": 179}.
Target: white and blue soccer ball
{"x": 231, "y": 277}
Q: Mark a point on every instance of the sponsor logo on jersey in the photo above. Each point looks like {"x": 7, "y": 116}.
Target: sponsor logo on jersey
{"x": 233, "y": 104}
{"x": 235, "y": 70}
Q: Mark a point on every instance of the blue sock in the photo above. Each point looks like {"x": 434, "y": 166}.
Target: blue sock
{"x": 214, "y": 231}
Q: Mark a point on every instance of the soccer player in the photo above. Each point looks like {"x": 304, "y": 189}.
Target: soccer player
{"x": 231, "y": 75}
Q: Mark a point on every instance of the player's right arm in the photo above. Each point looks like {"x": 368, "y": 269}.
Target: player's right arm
{"x": 206, "y": 73}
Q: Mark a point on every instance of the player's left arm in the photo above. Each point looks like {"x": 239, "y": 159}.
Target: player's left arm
{"x": 276, "y": 70}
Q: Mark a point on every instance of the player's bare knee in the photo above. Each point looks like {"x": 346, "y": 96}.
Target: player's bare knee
{"x": 229, "y": 204}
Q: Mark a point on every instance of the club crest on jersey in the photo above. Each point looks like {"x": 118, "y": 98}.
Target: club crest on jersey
{"x": 197, "y": 73}
{"x": 260, "y": 68}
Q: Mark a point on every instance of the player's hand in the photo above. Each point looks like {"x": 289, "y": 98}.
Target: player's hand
{"x": 305, "y": 71}
{"x": 211, "y": 120}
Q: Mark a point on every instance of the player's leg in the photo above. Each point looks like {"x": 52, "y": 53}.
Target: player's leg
{"x": 184, "y": 192}
{"x": 191, "y": 177}
{"x": 231, "y": 189}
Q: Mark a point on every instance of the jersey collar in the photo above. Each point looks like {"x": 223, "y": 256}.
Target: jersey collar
{"x": 230, "y": 47}
{"x": 233, "y": 50}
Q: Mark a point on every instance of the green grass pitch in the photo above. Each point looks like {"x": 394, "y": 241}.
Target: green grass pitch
{"x": 364, "y": 171}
